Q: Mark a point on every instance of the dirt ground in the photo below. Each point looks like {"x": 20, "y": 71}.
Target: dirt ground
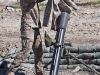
{"x": 83, "y": 28}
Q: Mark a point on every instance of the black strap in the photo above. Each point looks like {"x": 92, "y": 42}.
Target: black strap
{"x": 38, "y": 17}
{"x": 47, "y": 12}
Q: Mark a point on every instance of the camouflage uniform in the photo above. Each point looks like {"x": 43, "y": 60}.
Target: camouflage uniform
{"x": 30, "y": 35}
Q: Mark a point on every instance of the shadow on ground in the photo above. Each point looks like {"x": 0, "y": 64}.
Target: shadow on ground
{"x": 4, "y": 68}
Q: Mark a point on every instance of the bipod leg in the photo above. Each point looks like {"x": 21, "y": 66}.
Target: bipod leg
{"x": 68, "y": 54}
{"x": 45, "y": 66}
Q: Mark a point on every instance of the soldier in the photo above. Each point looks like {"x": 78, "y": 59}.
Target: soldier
{"x": 30, "y": 34}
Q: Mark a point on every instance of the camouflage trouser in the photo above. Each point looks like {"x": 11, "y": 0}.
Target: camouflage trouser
{"x": 31, "y": 38}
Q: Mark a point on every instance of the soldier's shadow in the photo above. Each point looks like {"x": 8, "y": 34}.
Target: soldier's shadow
{"x": 4, "y": 68}
{"x": 19, "y": 72}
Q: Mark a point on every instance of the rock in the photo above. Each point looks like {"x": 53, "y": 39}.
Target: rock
{"x": 76, "y": 69}
{"x": 9, "y": 8}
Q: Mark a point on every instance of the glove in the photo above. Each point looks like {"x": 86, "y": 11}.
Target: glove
{"x": 65, "y": 6}
{"x": 71, "y": 3}
{"x": 61, "y": 6}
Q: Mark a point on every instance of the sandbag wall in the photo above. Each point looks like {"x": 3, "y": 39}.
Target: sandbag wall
{"x": 88, "y": 54}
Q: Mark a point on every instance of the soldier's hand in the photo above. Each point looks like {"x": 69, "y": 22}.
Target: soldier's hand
{"x": 65, "y": 6}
